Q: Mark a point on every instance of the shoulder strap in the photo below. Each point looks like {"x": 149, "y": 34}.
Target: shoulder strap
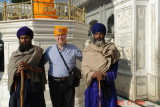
{"x": 63, "y": 59}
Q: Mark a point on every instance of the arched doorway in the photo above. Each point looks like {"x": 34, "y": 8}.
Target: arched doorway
{"x": 91, "y": 23}
{"x": 110, "y": 24}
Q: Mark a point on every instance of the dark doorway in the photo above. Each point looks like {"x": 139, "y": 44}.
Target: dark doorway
{"x": 110, "y": 24}
{"x": 1, "y": 17}
{"x": 91, "y": 23}
{"x": 1, "y": 56}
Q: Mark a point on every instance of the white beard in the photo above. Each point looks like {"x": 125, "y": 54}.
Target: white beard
{"x": 99, "y": 43}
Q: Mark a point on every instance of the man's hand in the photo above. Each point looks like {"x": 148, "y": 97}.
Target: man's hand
{"x": 99, "y": 75}
{"x": 95, "y": 75}
{"x": 23, "y": 66}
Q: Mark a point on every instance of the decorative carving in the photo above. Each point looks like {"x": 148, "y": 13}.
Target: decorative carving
{"x": 140, "y": 40}
{"x": 118, "y": 1}
{"x": 153, "y": 34}
{"x": 124, "y": 19}
{"x": 124, "y": 37}
{"x": 141, "y": 89}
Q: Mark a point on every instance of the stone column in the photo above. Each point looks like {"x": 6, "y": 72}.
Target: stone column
{"x": 43, "y": 31}
{"x": 154, "y": 50}
{"x": 136, "y": 35}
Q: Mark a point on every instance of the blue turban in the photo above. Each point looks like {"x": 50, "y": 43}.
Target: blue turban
{"x": 99, "y": 27}
{"x": 25, "y": 31}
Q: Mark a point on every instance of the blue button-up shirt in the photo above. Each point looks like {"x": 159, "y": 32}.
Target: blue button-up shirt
{"x": 57, "y": 67}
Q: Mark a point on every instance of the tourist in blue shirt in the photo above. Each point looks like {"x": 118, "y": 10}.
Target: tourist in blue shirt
{"x": 62, "y": 95}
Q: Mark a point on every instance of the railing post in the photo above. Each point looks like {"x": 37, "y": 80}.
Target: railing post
{"x": 32, "y": 7}
{"x": 69, "y": 9}
{"x": 84, "y": 14}
{"x": 4, "y": 11}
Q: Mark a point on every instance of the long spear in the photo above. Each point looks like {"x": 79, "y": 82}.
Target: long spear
{"x": 22, "y": 90}
{"x": 99, "y": 93}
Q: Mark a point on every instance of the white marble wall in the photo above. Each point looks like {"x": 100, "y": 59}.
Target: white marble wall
{"x": 137, "y": 24}
{"x": 154, "y": 25}
{"x": 43, "y": 31}
{"x": 137, "y": 30}
{"x": 136, "y": 35}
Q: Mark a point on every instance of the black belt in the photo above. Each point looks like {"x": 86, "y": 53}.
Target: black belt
{"x": 59, "y": 78}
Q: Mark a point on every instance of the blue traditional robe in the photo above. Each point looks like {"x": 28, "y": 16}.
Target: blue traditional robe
{"x": 33, "y": 95}
{"x": 91, "y": 94}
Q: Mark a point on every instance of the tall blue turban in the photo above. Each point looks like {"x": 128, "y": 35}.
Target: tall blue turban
{"x": 99, "y": 27}
{"x": 25, "y": 31}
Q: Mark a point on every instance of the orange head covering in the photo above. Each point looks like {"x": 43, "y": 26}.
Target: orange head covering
{"x": 58, "y": 30}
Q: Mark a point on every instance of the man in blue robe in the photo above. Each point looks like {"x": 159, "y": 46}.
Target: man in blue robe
{"x": 99, "y": 67}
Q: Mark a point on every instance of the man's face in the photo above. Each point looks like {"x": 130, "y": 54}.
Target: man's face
{"x": 24, "y": 39}
{"x": 99, "y": 39}
{"x": 25, "y": 43}
{"x": 61, "y": 39}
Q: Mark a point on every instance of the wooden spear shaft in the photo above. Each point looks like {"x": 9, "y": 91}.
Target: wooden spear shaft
{"x": 99, "y": 93}
{"x": 22, "y": 90}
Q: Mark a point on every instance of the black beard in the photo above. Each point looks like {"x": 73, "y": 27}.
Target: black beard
{"x": 25, "y": 46}
{"x": 99, "y": 42}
